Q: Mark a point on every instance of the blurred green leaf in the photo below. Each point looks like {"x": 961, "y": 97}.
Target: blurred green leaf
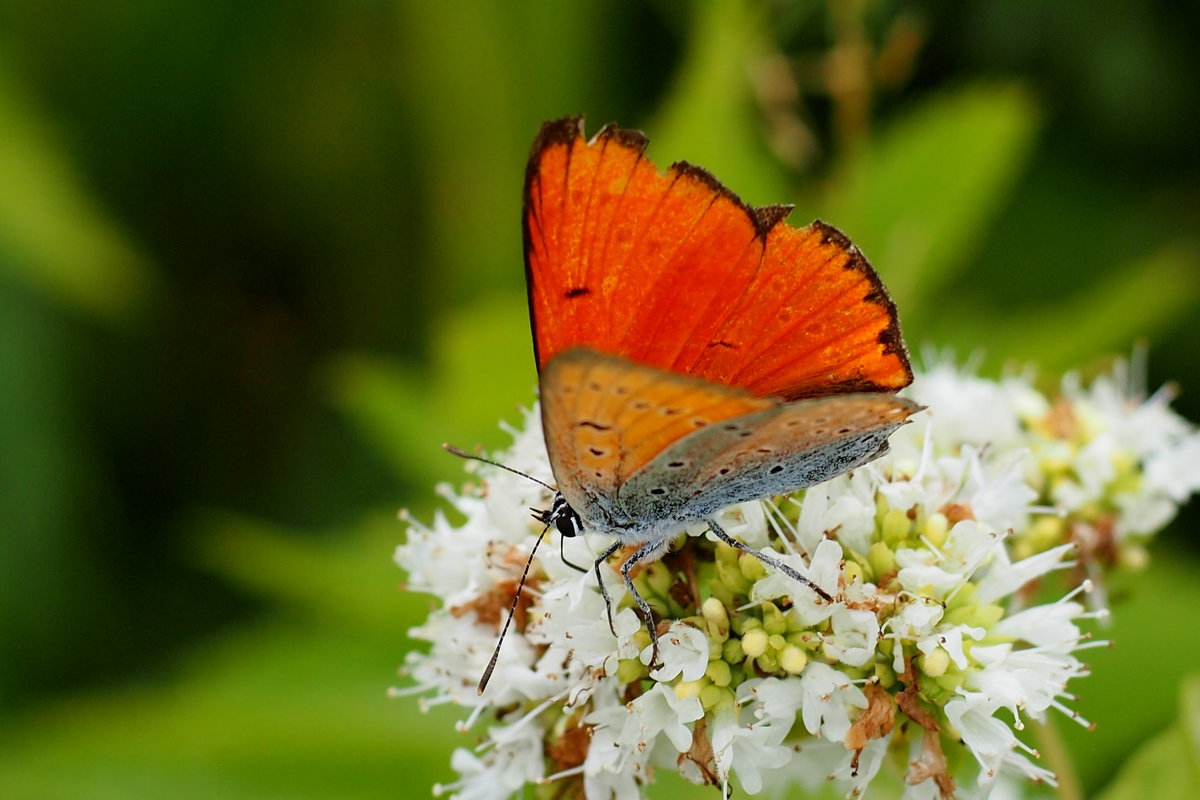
{"x": 481, "y": 81}
{"x": 1167, "y": 767}
{"x": 483, "y": 371}
{"x": 278, "y": 712}
{"x": 357, "y": 579}
{"x": 709, "y": 117}
{"x": 53, "y": 235}
{"x": 1131, "y": 694}
{"x": 1137, "y": 301}
{"x": 919, "y": 197}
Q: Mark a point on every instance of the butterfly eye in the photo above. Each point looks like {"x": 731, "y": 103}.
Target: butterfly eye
{"x": 568, "y": 525}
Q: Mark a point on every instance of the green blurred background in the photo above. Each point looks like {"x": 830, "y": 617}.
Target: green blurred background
{"x": 257, "y": 260}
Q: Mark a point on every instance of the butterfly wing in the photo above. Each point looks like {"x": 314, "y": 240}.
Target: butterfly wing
{"x": 764, "y": 453}
{"x": 605, "y": 417}
{"x": 674, "y": 271}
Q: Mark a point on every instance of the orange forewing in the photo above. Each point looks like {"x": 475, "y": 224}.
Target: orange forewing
{"x": 675, "y": 272}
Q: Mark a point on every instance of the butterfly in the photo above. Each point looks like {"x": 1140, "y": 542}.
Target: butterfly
{"x": 693, "y": 352}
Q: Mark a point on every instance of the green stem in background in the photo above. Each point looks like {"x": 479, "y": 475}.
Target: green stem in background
{"x": 1058, "y": 759}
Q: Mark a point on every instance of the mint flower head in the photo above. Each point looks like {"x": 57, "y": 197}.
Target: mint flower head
{"x": 936, "y": 651}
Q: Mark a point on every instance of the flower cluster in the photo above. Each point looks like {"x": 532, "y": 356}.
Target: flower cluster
{"x": 935, "y": 651}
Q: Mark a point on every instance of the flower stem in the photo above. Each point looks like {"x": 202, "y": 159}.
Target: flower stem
{"x": 1051, "y": 746}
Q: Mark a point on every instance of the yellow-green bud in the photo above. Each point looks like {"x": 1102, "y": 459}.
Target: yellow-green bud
{"x": 751, "y": 567}
{"x": 719, "y": 673}
{"x": 936, "y": 528}
{"x": 659, "y": 578}
{"x": 882, "y": 559}
{"x": 935, "y": 662}
{"x": 730, "y": 576}
{"x": 713, "y": 696}
{"x": 754, "y": 642}
{"x": 686, "y": 689}
{"x": 714, "y": 611}
{"x": 885, "y": 674}
{"x": 630, "y": 670}
{"x": 793, "y": 660}
{"x": 773, "y": 620}
{"x": 895, "y": 526}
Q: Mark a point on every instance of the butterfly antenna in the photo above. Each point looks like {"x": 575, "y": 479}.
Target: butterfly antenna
{"x": 454, "y": 451}
{"x": 512, "y": 612}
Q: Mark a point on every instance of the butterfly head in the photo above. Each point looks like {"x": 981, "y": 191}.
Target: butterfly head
{"x": 560, "y": 514}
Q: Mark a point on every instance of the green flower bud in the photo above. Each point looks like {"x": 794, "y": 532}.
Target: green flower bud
{"x": 793, "y": 660}
{"x": 934, "y": 663}
{"x": 773, "y": 619}
{"x": 719, "y": 673}
{"x": 896, "y": 526}
{"x": 882, "y": 560}
{"x": 936, "y": 528}
{"x": 752, "y": 568}
{"x": 630, "y": 670}
{"x": 754, "y": 642}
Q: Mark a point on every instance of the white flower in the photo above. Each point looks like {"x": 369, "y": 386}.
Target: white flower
{"x": 828, "y": 698}
{"x": 755, "y": 747}
{"x": 1003, "y": 577}
{"x": 684, "y": 653}
{"x": 824, "y": 570}
{"x": 955, "y": 400}
{"x": 927, "y": 553}
{"x": 504, "y": 769}
{"x": 854, "y": 638}
{"x": 624, "y": 737}
{"x": 969, "y": 544}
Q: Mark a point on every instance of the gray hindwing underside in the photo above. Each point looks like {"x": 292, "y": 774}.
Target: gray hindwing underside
{"x": 767, "y": 453}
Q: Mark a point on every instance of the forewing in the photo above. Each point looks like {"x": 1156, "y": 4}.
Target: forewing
{"x": 765, "y": 453}
{"x": 674, "y": 271}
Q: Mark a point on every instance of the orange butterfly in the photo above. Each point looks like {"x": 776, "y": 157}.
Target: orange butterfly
{"x": 693, "y": 352}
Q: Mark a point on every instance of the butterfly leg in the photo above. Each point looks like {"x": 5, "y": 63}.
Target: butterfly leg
{"x": 649, "y": 551}
{"x": 600, "y": 582}
{"x": 766, "y": 559}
